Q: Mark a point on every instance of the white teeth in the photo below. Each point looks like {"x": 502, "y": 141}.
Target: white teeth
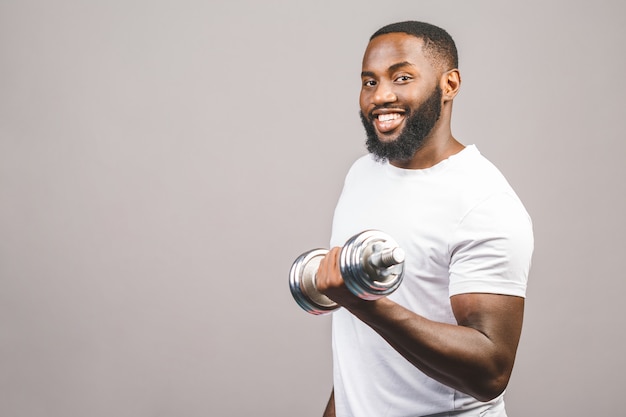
{"x": 388, "y": 116}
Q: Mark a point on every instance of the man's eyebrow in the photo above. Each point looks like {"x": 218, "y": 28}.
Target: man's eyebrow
{"x": 392, "y": 68}
{"x": 399, "y": 65}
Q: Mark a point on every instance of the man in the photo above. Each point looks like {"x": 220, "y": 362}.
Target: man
{"x": 444, "y": 343}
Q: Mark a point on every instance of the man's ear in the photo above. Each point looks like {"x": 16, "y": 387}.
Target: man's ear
{"x": 450, "y": 84}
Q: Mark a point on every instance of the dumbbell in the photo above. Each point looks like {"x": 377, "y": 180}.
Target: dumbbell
{"x": 371, "y": 264}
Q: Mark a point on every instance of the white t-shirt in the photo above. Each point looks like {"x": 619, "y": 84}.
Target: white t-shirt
{"x": 464, "y": 230}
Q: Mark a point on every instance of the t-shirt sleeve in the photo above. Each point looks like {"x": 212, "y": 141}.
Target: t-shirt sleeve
{"x": 492, "y": 248}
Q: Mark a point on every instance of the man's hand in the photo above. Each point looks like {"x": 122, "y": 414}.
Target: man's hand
{"x": 329, "y": 281}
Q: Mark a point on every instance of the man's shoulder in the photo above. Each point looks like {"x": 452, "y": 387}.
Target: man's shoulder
{"x": 474, "y": 168}
{"x": 365, "y": 164}
{"x": 366, "y": 160}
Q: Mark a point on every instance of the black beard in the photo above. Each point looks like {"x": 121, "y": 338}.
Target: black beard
{"x": 412, "y": 137}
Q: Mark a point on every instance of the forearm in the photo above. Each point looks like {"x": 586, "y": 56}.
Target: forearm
{"x": 330, "y": 407}
{"x": 458, "y": 356}
{"x": 474, "y": 356}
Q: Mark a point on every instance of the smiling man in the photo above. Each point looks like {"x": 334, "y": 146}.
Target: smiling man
{"x": 445, "y": 342}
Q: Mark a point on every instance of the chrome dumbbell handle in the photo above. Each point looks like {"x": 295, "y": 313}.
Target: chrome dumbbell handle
{"x": 386, "y": 257}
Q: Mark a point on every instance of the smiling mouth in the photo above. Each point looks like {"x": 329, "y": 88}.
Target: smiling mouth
{"x": 387, "y": 122}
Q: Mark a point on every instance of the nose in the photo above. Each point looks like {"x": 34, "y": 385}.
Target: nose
{"x": 384, "y": 93}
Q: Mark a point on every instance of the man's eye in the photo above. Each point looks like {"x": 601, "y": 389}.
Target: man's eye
{"x": 369, "y": 83}
{"x": 403, "y": 78}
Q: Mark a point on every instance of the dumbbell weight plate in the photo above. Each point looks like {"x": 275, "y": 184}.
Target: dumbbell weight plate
{"x": 363, "y": 280}
{"x": 302, "y": 283}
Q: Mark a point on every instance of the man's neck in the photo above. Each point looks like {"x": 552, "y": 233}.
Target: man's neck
{"x": 438, "y": 146}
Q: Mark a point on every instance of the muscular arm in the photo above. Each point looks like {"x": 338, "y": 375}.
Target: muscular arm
{"x": 475, "y": 356}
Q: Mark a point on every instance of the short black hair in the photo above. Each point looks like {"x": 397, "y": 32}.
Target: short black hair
{"x": 438, "y": 43}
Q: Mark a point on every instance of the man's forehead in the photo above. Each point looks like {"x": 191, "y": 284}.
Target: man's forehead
{"x": 396, "y": 40}
{"x": 393, "y": 49}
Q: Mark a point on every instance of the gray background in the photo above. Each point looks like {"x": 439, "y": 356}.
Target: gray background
{"x": 163, "y": 163}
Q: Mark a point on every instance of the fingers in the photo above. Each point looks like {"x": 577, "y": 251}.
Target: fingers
{"x": 329, "y": 281}
{"x": 328, "y": 274}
